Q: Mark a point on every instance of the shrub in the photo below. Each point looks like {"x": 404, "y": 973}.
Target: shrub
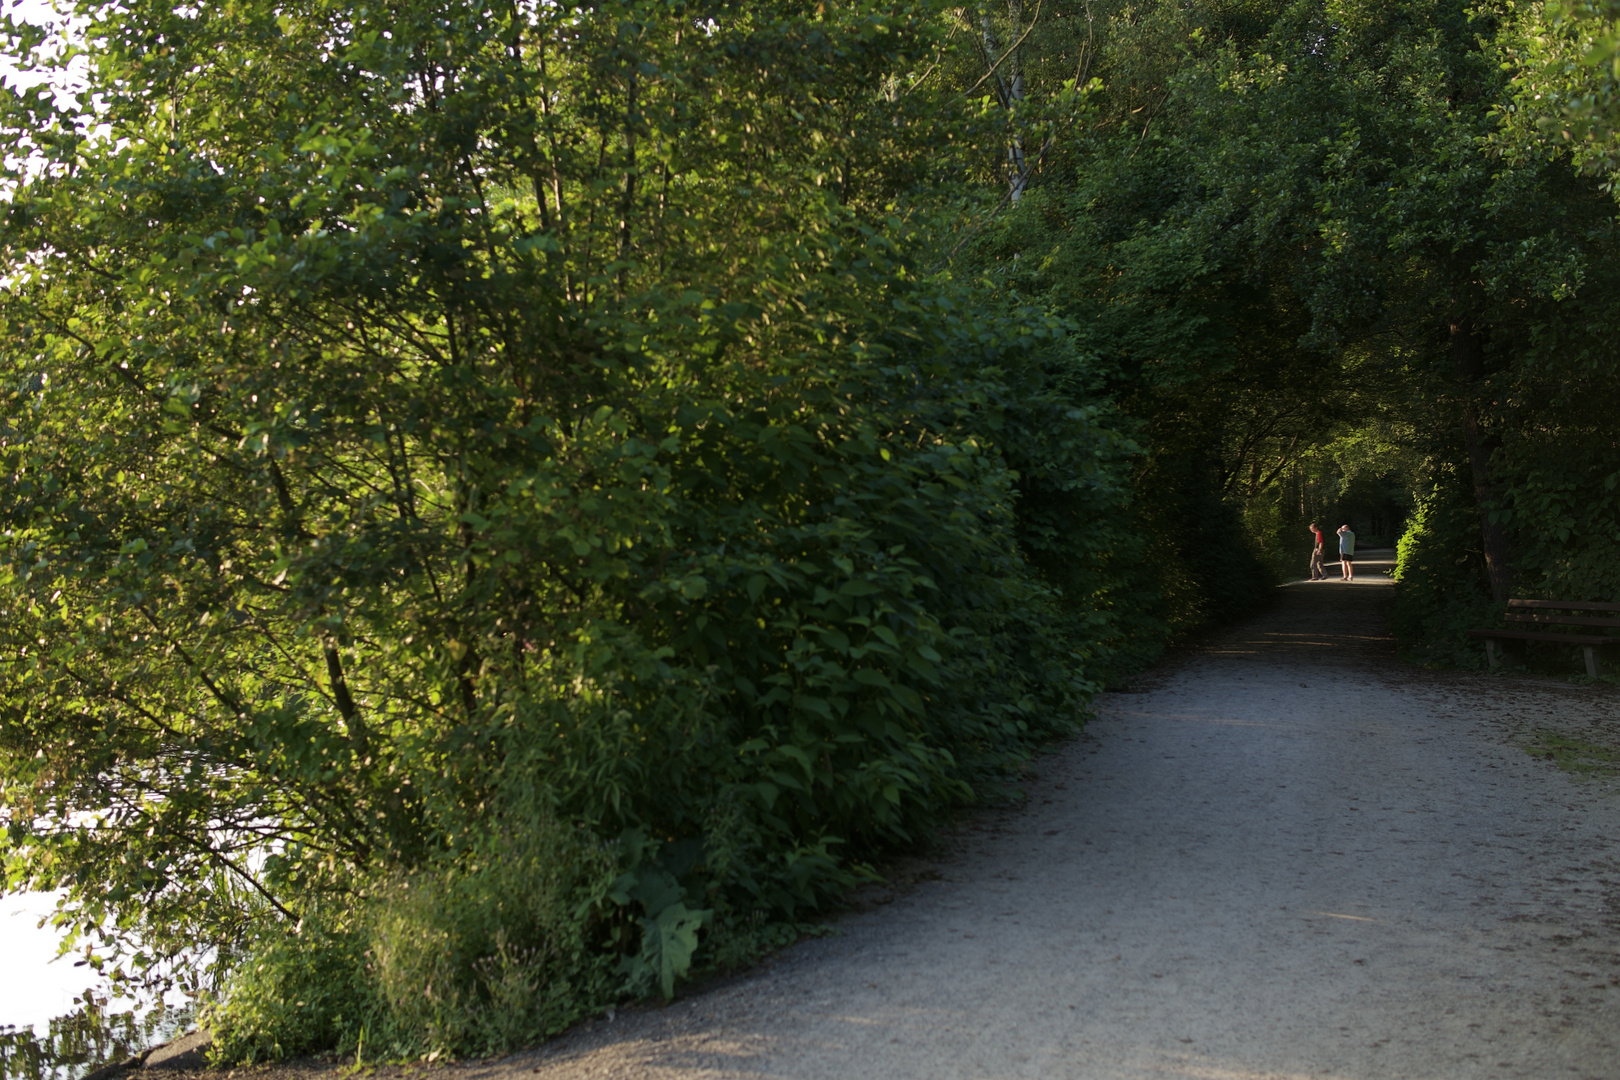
{"x": 466, "y": 575}
{"x": 1441, "y": 590}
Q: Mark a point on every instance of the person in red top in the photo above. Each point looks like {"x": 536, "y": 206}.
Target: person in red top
{"x": 1317, "y": 573}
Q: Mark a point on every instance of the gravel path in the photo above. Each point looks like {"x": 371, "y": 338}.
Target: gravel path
{"x": 1289, "y": 855}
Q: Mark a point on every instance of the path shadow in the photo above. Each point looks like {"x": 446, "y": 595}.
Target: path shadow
{"x": 1333, "y": 622}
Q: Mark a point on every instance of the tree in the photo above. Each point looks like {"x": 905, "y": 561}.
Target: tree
{"x": 1566, "y": 83}
{"x": 491, "y": 502}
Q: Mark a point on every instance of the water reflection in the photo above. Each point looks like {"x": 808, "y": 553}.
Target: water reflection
{"x": 93, "y": 1035}
{"x": 52, "y": 1027}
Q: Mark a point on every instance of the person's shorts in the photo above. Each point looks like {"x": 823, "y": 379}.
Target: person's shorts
{"x": 1345, "y": 556}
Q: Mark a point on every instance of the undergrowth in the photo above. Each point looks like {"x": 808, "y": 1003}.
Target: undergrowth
{"x": 1579, "y": 757}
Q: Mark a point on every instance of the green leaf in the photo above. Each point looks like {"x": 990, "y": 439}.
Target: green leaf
{"x": 670, "y": 940}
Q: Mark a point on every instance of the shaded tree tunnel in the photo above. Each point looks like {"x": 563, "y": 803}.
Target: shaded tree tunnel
{"x": 655, "y": 460}
{"x": 1328, "y": 263}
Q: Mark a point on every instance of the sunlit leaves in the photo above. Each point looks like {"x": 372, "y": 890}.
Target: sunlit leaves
{"x": 419, "y": 414}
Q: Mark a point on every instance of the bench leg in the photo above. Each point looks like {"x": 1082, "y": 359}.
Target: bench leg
{"x": 1594, "y": 666}
{"x": 1504, "y": 651}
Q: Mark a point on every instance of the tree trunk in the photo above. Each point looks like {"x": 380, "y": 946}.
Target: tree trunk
{"x": 1010, "y": 89}
{"x": 988, "y": 33}
{"x": 1468, "y": 356}
{"x": 1017, "y": 167}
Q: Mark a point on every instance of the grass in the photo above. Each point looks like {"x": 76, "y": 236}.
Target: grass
{"x": 1574, "y": 756}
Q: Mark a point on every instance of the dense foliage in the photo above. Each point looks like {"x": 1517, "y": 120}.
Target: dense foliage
{"x": 1337, "y": 259}
{"x": 494, "y": 509}
{"x": 509, "y": 506}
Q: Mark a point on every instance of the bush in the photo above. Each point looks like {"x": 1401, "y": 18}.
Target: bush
{"x": 1441, "y": 589}
{"x": 465, "y": 581}
{"x": 299, "y": 989}
{"x": 494, "y": 950}
{"x": 1561, "y": 505}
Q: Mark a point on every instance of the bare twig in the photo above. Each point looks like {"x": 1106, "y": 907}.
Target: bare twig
{"x": 1010, "y": 50}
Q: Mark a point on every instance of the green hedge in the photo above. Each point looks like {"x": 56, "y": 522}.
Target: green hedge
{"x": 1441, "y": 590}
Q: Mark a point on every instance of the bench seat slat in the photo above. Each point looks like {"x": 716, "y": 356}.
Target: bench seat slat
{"x": 1548, "y": 635}
{"x": 1566, "y": 620}
{"x": 1564, "y": 605}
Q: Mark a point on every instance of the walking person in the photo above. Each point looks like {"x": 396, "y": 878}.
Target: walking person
{"x": 1316, "y": 571}
{"x": 1347, "y": 552}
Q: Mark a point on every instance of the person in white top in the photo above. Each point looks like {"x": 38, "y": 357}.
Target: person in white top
{"x": 1347, "y": 552}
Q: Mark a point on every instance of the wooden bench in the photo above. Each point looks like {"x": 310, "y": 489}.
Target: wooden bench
{"x": 1555, "y": 613}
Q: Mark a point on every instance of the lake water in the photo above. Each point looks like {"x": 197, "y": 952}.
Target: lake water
{"x": 35, "y": 990}
{"x": 46, "y": 1030}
